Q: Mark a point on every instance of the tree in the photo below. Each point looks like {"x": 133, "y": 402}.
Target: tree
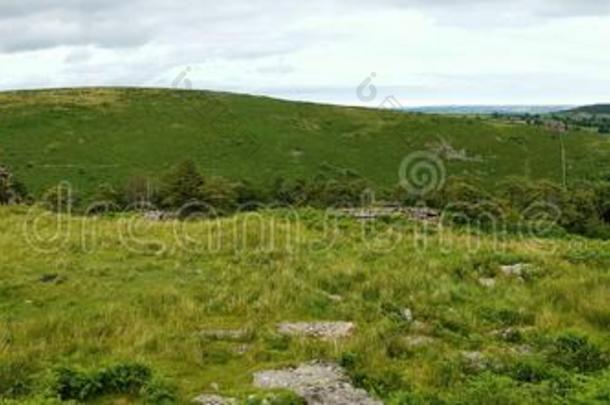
{"x": 138, "y": 191}
{"x": 182, "y": 185}
{"x": 105, "y": 199}
{"x": 219, "y": 193}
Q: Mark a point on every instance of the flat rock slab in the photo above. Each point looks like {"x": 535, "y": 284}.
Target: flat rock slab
{"x": 316, "y": 383}
{"x": 515, "y": 270}
{"x": 415, "y": 342}
{"x": 319, "y": 330}
{"x": 207, "y": 399}
{"x": 226, "y": 334}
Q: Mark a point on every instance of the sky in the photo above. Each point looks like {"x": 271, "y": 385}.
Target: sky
{"x": 354, "y": 52}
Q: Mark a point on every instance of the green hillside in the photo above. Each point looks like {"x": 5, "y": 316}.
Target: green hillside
{"x": 593, "y": 109}
{"x": 91, "y": 136}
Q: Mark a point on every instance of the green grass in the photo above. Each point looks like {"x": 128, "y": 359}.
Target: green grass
{"x": 97, "y": 298}
{"x": 93, "y": 136}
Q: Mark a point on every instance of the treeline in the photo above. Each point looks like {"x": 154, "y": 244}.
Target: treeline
{"x": 184, "y": 190}
{"x": 582, "y": 208}
{"x": 601, "y": 123}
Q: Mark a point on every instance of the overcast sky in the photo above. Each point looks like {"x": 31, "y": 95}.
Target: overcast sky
{"x": 421, "y": 52}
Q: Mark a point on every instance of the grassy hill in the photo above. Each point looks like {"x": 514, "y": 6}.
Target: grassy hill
{"x": 92, "y": 136}
{"x": 592, "y": 109}
{"x": 79, "y": 302}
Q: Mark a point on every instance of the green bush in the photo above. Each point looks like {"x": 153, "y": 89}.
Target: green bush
{"x": 126, "y": 379}
{"x": 60, "y": 198}
{"x": 15, "y": 380}
{"x": 576, "y": 353}
{"x": 12, "y": 191}
{"x": 159, "y": 393}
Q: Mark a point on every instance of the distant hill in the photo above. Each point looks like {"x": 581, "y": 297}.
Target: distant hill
{"x": 490, "y": 109}
{"x": 92, "y": 136}
{"x": 592, "y": 109}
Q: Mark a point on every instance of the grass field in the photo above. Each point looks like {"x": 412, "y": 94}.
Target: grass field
{"x": 93, "y": 136}
{"x": 116, "y": 290}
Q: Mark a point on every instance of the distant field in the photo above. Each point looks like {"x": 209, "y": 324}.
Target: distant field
{"x": 93, "y": 136}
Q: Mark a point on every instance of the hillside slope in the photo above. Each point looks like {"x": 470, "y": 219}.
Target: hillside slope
{"x": 91, "y": 136}
{"x": 592, "y": 109}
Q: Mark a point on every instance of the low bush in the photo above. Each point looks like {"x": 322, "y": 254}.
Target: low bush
{"x": 124, "y": 379}
{"x": 575, "y": 352}
{"x": 15, "y": 380}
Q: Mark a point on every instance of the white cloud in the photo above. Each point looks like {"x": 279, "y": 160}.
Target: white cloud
{"x": 475, "y": 51}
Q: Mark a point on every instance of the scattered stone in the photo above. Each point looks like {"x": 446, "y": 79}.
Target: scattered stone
{"x": 508, "y": 334}
{"x": 333, "y": 297}
{"x": 487, "y": 282}
{"x": 418, "y": 341}
{"x": 319, "y": 330}
{"x": 154, "y": 215}
{"x": 524, "y": 350}
{"x": 241, "y": 349}
{"x": 419, "y": 326}
{"x": 407, "y": 315}
{"x": 511, "y": 335}
{"x": 226, "y": 334}
{"x": 515, "y": 270}
{"x": 371, "y": 213}
{"x": 475, "y": 360}
{"x": 207, "y": 399}
{"x": 317, "y": 383}
{"x": 422, "y": 214}
{"x": 446, "y": 151}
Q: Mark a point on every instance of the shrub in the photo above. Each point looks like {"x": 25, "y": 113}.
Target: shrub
{"x": 592, "y": 390}
{"x": 11, "y": 190}
{"x": 159, "y": 393}
{"x": 465, "y": 204}
{"x": 124, "y": 378}
{"x": 60, "y": 198}
{"x": 105, "y": 199}
{"x": 576, "y": 353}
{"x": 138, "y": 191}
{"x": 75, "y": 385}
{"x": 15, "y": 380}
{"x": 128, "y": 379}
